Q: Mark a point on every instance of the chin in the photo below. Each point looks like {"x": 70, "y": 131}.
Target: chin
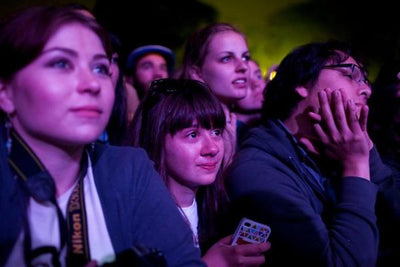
{"x": 241, "y": 93}
{"x": 208, "y": 180}
{"x": 86, "y": 137}
{"x": 235, "y": 98}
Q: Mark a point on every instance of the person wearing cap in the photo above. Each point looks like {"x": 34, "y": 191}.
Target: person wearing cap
{"x": 148, "y": 63}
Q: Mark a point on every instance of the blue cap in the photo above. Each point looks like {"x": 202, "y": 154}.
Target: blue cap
{"x": 147, "y": 49}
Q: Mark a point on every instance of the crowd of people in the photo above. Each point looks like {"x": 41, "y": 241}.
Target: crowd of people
{"x": 106, "y": 161}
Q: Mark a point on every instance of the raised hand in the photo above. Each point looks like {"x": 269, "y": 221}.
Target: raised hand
{"x": 341, "y": 133}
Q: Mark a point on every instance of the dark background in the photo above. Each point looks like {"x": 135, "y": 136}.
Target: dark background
{"x": 273, "y": 28}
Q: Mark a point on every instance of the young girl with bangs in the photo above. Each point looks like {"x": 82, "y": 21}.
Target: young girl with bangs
{"x": 180, "y": 124}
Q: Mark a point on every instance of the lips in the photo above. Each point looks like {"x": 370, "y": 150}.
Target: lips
{"x": 241, "y": 82}
{"x": 208, "y": 166}
{"x": 87, "y": 111}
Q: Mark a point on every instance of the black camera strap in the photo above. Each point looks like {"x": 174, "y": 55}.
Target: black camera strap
{"x": 78, "y": 239}
{"x": 40, "y": 185}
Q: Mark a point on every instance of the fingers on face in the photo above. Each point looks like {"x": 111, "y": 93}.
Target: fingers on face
{"x": 352, "y": 118}
{"x": 339, "y": 114}
{"x": 364, "y": 117}
{"x": 327, "y": 124}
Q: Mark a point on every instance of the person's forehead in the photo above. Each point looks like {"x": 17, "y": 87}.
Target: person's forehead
{"x": 154, "y": 58}
{"x": 227, "y": 40}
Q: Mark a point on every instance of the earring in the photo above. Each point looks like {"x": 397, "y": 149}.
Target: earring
{"x": 8, "y": 135}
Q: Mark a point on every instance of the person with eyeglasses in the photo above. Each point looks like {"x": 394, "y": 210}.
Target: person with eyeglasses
{"x": 66, "y": 200}
{"x": 310, "y": 170}
{"x": 180, "y": 124}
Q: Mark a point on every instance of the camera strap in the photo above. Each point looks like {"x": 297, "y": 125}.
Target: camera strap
{"x": 78, "y": 239}
{"x": 37, "y": 181}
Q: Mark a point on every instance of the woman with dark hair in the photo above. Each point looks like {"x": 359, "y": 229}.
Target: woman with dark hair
{"x": 65, "y": 200}
{"x": 180, "y": 124}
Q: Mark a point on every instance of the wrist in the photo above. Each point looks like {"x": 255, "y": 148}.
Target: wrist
{"x": 357, "y": 169}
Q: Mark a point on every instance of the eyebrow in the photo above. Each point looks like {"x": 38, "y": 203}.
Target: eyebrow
{"x": 71, "y": 52}
{"x": 233, "y": 52}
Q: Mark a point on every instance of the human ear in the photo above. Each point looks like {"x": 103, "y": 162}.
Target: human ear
{"x": 6, "y": 103}
{"x": 302, "y": 91}
{"x": 195, "y": 73}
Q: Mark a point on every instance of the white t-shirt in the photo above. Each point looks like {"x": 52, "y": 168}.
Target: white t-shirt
{"x": 190, "y": 214}
{"x": 43, "y": 222}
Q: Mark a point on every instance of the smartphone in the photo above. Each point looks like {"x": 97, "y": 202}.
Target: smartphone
{"x": 249, "y": 231}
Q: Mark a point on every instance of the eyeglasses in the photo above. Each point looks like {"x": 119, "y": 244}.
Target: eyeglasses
{"x": 356, "y": 73}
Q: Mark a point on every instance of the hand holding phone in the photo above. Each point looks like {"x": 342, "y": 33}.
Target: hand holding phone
{"x": 249, "y": 231}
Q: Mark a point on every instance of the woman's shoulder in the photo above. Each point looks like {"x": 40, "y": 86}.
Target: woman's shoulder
{"x": 119, "y": 153}
{"x": 123, "y": 160}
{"x": 117, "y": 166}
